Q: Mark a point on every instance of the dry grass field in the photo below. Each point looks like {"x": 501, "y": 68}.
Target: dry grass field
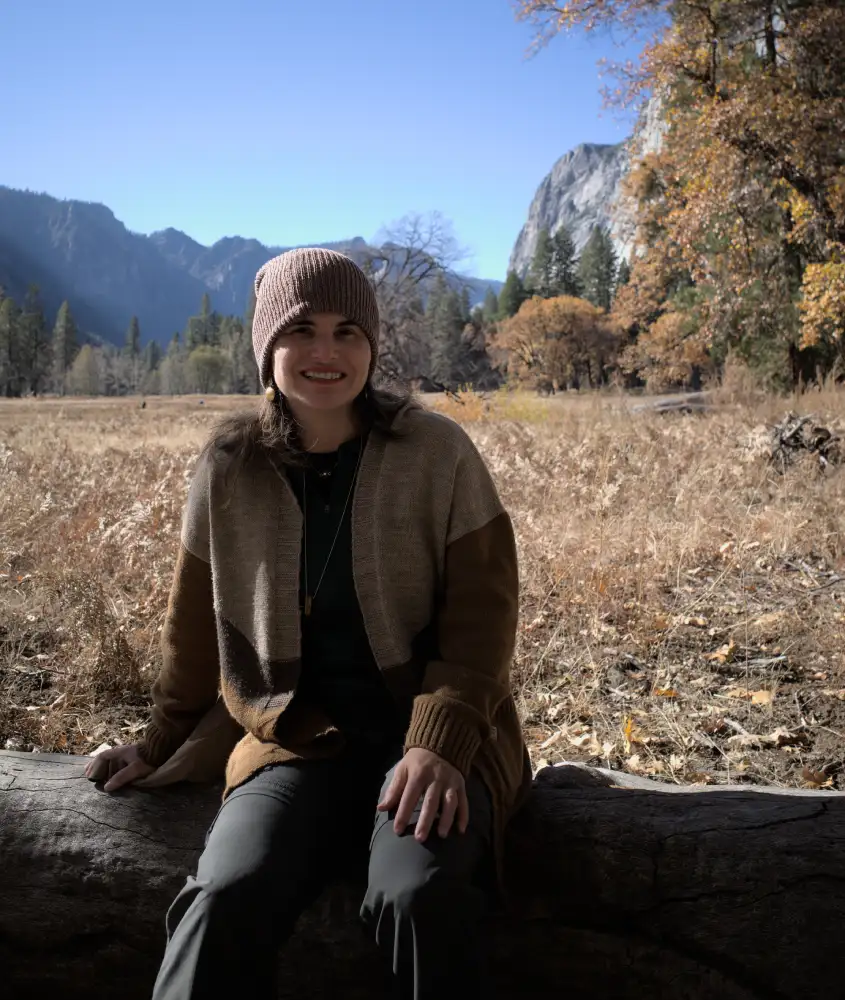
{"x": 683, "y": 608}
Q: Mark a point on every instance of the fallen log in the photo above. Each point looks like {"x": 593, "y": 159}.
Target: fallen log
{"x": 626, "y": 889}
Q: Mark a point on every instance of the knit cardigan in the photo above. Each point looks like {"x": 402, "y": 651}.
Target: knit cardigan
{"x": 433, "y": 547}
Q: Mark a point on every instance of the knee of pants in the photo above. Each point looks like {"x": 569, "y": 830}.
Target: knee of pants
{"x": 419, "y": 895}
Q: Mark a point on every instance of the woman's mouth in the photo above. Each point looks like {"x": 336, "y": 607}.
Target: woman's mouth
{"x": 323, "y": 376}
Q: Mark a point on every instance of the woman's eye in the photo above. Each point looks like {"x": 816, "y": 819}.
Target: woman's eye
{"x": 347, "y": 331}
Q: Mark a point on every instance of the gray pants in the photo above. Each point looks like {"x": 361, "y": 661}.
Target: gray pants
{"x": 276, "y": 842}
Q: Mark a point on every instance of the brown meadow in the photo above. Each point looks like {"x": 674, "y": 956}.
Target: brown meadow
{"x": 683, "y": 599}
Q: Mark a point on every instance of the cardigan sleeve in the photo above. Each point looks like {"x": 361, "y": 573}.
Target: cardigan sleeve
{"x": 187, "y": 683}
{"x": 476, "y": 625}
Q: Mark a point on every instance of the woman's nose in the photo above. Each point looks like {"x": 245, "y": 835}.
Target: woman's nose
{"x": 323, "y": 348}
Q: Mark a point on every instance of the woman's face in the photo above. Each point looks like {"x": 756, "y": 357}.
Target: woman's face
{"x": 321, "y": 362}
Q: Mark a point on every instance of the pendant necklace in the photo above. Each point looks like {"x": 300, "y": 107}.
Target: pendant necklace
{"x": 309, "y": 596}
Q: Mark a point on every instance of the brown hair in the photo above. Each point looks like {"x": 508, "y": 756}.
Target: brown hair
{"x": 236, "y": 441}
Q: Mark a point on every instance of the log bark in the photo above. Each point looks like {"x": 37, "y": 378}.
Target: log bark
{"x": 624, "y": 889}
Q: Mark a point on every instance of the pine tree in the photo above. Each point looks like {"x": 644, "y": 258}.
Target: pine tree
{"x": 133, "y": 338}
{"x": 34, "y": 342}
{"x": 541, "y": 273}
{"x": 445, "y": 319}
{"x": 512, "y": 295}
{"x": 249, "y": 315}
{"x": 490, "y": 308}
{"x": 564, "y": 265}
{"x": 64, "y": 348}
{"x": 623, "y": 275}
{"x": 597, "y": 268}
{"x": 203, "y": 330}
{"x": 151, "y": 356}
{"x": 10, "y": 348}
{"x": 466, "y": 308}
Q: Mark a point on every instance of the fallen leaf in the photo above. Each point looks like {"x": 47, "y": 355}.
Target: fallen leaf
{"x": 724, "y": 654}
{"x": 738, "y": 692}
{"x": 768, "y": 620}
{"x": 816, "y": 779}
{"x": 665, "y": 693}
{"x": 699, "y": 621}
{"x": 762, "y": 697}
{"x": 698, "y": 778}
{"x": 552, "y": 739}
{"x": 840, "y": 693}
{"x": 779, "y": 738}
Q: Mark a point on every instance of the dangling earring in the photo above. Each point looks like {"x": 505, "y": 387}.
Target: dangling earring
{"x": 270, "y": 393}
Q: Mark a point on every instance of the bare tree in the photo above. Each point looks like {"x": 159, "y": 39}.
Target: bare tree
{"x": 410, "y": 254}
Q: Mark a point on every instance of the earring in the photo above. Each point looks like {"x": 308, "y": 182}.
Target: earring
{"x": 270, "y": 393}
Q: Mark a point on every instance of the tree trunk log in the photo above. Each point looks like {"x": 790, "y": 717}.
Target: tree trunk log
{"x": 625, "y": 889}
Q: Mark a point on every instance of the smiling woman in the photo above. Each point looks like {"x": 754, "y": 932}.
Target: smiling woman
{"x": 347, "y": 579}
{"x": 321, "y": 364}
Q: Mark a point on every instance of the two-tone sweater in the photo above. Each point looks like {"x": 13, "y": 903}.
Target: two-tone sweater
{"x": 433, "y": 551}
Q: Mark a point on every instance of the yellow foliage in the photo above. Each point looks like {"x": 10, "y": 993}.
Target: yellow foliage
{"x": 823, "y": 303}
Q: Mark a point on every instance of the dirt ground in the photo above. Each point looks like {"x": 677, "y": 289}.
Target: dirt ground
{"x": 683, "y": 595}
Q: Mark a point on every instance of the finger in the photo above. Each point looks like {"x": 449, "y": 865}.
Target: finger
{"x": 447, "y": 812}
{"x": 463, "y": 809}
{"x": 391, "y": 797}
{"x": 410, "y": 798}
{"x": 98, "y": 767}
{"x": 126, "y": 774}
{"x": 428, "y": 813}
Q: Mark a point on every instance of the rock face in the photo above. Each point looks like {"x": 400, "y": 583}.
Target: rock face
{"x": 622, "y": 889}
{"x": 580, "y": 192}
{"x": 583, "y": 190}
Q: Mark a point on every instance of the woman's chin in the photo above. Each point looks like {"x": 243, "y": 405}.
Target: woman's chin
{"x": 331, "y": 397}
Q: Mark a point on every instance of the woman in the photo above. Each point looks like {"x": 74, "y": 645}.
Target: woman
{"x": 347, "y": 577}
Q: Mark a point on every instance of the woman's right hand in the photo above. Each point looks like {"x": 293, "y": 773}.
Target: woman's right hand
{"x": 119, "y": 765}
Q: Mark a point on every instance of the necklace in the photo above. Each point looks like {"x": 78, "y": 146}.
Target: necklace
{"x": 309, "y": 596}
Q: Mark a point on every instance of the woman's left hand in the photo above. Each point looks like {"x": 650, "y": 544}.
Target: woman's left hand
{"x": 423, "y": 774}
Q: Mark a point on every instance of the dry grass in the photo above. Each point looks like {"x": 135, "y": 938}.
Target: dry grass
{"x": 682, "y": 613}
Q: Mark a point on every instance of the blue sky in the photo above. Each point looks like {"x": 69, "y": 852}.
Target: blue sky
{"x": 295, "y": 122}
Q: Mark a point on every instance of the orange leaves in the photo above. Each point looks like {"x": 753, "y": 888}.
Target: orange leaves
{"x": 557, "y": 339}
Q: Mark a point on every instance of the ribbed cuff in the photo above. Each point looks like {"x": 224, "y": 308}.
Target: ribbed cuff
{"x": 156, "y": 747}
{"x": 437, "y": 727}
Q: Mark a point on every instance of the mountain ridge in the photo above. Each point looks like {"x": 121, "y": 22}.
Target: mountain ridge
{"x": 81, "y": 252}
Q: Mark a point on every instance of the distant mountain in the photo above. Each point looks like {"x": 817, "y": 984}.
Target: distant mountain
{"x": 80, "y": 252}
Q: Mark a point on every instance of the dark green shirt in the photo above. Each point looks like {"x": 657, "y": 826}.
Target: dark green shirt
{"x": 339, "y": 671}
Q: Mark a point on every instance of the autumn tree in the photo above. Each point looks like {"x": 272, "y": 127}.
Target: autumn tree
{"x": 565, "y": 342}
{"x": 741, "y": 210}
{"x": 207, "y": 368}
{"x": 84, "y": 377}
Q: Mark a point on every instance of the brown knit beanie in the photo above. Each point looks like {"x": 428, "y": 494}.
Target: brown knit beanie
{"x": 309, "y": 280}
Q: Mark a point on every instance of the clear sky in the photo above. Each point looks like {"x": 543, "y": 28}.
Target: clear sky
{"x": 295, "y": 122}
